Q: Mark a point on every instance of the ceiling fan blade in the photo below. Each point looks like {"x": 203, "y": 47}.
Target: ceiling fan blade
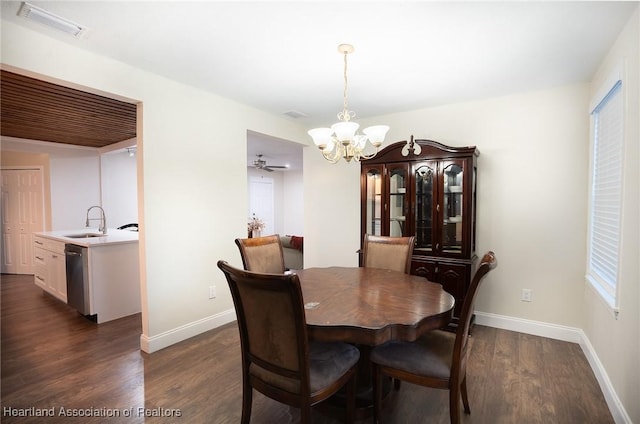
{"x": 262, "y": 164}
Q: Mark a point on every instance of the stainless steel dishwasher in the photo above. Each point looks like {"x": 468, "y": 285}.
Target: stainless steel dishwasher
{"x": 77, "y": 277}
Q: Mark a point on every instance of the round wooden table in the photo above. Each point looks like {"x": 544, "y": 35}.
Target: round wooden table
{"x": 368, "y": 307}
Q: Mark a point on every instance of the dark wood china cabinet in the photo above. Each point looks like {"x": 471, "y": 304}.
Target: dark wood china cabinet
{"x": 427, "y": 190}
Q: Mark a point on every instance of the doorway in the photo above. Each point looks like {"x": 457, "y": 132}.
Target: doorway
{"x": 22, "y": 214}
{"x": 261, "y": 202}
{"x": 285, "y": 171}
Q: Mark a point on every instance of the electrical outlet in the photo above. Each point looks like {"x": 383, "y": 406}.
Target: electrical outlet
{"x": 212, "y": 292}
{"x": 526, "y": 295}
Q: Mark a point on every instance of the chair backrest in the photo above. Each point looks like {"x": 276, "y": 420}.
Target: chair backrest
{"x": 262, "y": 254}
{"x": 130, "y": 227}
{"x": 387, "y": 252}
{"x": 273, "y": 332}
{"x": 487, "y": 263}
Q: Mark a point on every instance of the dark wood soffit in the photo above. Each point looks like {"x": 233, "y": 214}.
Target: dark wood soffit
{"x": 38, "y": 110}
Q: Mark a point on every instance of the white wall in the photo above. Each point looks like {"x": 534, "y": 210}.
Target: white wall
{"x": 332, "y": 211}
{"x": 118, "y": 178}
{"x": 617, "y": 340}
{"x": 75, "y": 186}
{"x": 293, "y": 203}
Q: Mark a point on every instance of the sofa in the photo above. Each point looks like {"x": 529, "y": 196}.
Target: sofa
{"x": 292, "y": 247}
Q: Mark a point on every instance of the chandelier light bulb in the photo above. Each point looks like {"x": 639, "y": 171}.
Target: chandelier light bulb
{"x": 376, "y": 134}
{"x": 321, "y": 136}
{"x": 344, "y": 131}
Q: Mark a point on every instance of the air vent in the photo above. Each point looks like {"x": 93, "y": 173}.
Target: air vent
{"x": 295, "y": 114}
{"x": 44, "y": 17}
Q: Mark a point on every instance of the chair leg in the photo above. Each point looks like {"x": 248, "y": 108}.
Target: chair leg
{"x": 454, "y": 404}
{"x": 465, "y": 397}
{"x": 305, "y": 413}
{"x": 377, "y": 393}
{"x": 351, "y": 399}
{"x": 247, "y": 394}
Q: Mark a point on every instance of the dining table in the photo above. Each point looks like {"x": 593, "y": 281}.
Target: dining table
{"x": 368, "y": 307}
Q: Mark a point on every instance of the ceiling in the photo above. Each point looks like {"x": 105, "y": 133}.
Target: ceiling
{"x": 38, "y": 110}
{"x": 282, "y": 56}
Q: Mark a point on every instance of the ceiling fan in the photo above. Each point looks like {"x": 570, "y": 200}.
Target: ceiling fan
{"x": 262, "y": 164}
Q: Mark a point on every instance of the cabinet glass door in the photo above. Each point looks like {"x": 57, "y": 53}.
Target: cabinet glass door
{"x": 373, "y": 202}
{"x": 424, "y": 175}
{"x": 452, "y": 211}
{"x": 398, "y": 201}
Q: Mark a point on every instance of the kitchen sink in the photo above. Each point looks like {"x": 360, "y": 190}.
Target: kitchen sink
{"x": 85, "y": 235}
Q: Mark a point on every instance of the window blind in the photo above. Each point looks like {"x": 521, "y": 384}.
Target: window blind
{"x": 606, "y": 192}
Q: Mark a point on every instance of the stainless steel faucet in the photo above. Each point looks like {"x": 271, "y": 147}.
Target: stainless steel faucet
{"x": 103, "y": 220}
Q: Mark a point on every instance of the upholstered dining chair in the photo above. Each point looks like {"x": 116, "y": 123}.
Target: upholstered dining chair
{"x": 262, "y": 254}
{"x": 438, "y": 359}
{"x": 387, "y": 252}
{"x": 278, "y": 359}
{"x": 129, "y": 227}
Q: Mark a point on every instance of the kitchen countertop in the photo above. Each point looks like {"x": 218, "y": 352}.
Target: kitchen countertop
{"x": 112, "y": 237}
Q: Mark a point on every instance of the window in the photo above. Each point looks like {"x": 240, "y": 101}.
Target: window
{"x": 606, "y": 194}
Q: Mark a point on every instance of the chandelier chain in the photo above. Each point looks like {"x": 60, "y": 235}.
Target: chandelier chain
{"x": 346, "y": 114}
{"x": 344, "y": 95}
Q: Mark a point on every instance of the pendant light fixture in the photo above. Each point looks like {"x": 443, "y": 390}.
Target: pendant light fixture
{"x": 342, "y": 139}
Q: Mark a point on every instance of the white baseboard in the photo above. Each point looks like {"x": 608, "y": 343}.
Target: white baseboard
{"x": 618, "y": 412}
{"x": 536, "y": 328}
{"x": 568, "y": 334}
{"x": 173, "y": 336}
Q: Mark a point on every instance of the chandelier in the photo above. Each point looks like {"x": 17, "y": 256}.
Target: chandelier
{"x": 342, "y": 139}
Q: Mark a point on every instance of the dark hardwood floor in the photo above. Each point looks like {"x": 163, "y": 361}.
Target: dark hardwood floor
{"x": 54, "y": 358}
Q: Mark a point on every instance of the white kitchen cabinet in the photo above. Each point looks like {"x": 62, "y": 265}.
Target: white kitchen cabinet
{"x": 40, "y": 270}
{"x": 49, "y": 267}
{"x": 58, "y": 276}
{"x": 114, "y": 281}
{"x": 112, "y": 269}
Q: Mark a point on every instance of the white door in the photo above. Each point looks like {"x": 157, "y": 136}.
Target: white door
{"x": 22, "y": 214}
{"x": 261, "y": 202}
